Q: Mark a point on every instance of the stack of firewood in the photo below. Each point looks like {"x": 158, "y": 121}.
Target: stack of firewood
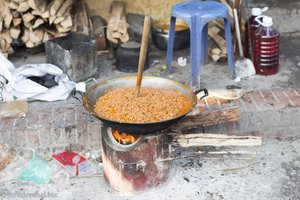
{"x": 117, "y": 24}
{"x": 33, "y": 21}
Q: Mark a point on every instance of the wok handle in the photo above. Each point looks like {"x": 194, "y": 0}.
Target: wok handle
{"x": 74, "y": 95}
{"x": 201, "y": 90}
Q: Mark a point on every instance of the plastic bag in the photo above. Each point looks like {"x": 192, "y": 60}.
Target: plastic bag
{"x": 42, "y": 171}
{"x": 25, "y": 88}
{"x": 20, "y": 82}
{"x": 75, "y": 164}
{"x": 32, "y": 167}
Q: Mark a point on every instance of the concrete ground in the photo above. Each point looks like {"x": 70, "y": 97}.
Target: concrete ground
{"x": 270, "y": 171}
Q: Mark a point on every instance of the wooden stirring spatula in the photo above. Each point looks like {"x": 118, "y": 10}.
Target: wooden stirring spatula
{"x": 142, "y": 57}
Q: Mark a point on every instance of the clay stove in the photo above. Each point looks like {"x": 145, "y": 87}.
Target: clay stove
{"x": 138, "y": 163}
{"x": 134, "y": 163}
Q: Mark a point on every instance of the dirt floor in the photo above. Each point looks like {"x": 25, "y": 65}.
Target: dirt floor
{"x": 268, "y": 172}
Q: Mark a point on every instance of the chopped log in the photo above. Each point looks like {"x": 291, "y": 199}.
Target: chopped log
{"x": 46, "y": 37}
{"x": 81, "y": 20}
{"x": 62, "y": 29}
{"x": 7, "y": 20}
{"x": 14, "y": 32}
{"x": 32, "y": 4}
{"x": 67, "y": 22}
{"x": 216, "y": 140}
{"x": 65, "y": 8}
{"x": 36, "y": 36}
{"x": 117, "y": 25}
{"x": 23, "y": 7}
{"x": 25, "y": 38}
{"x": 27, "y": 20}
{"x": 13, "y": 5}
{"x": 16, "y": 14}
{"x": 6, "y": 36}
{"x": 29, "y": 44}
{"x": 1, "y": 23}
{"x": 214, "y": 109}
{"x": 52, "y": 18}
{"x": 27, "y": 17}
{"x": 37, "y": 23}
{"x": 37, "y": 12}
{"x": 202, "y": 117}
{"x": 57, "y": 20}
{"x": 55, "y": 7}
{"x": 17, "y": 21}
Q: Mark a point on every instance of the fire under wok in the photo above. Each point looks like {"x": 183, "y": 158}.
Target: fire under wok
{"x": 96, "y": 91}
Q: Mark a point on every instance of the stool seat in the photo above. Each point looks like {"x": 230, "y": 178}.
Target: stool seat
{"x": 197, "y": 15}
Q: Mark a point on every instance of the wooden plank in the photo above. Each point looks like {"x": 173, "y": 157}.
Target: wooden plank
{"x": 217, "y": 140}
{"x": 81, "y": 20}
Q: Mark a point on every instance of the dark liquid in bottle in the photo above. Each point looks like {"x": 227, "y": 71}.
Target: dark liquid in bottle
{"x": 250, "y": 29}
{"x": 266, "y": 52}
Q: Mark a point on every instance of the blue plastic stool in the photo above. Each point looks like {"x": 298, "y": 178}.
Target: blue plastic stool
{"x": 197, "y": 15}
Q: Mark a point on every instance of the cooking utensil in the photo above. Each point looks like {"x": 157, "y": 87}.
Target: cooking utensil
{"x": 142, "y": 57}
{"x": 160, "y": 36}
{"x": 244, "y": 66}
{"x": 95, "y": 92}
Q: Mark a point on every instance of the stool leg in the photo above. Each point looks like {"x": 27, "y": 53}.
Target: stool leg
{"x": 230, "y": 56}
{"x": 170, "y": 45}
{"x": 204, "y": 43}
{"x": 195, "y": 53}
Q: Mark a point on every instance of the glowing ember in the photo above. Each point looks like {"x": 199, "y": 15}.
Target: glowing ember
{"x": 124, "y": 138}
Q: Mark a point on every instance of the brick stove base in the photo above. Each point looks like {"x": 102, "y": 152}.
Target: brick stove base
{"x": 129, "y": 168}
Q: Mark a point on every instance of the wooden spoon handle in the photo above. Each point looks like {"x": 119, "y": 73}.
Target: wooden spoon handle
{"x": 143, "y": 52}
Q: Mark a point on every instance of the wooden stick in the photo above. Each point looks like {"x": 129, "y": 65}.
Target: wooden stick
{"x": 204, "y": 139}
{"x": 142, "y": 57}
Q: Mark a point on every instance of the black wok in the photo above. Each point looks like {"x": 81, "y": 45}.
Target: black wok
{"x": 92, "y": 95}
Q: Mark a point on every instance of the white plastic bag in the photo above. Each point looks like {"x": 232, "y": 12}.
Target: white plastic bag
{"x": 20, "y": 86}
{"x": 24, "y": 88}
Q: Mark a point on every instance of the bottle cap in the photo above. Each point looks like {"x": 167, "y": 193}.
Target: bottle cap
{"x": 256, "y": 11}
{"x": 267, "y": 21}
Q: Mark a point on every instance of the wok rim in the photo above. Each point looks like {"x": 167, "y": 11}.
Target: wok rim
{"x": 194, "y": 100}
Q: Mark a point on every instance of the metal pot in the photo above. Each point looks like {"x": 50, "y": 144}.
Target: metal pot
{"x": 95, "y": 92}
{"x": 160, "y": 38}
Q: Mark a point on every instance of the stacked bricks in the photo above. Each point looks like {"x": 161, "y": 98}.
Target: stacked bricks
{"x": 53, "y": 127}
{"x": 66, "y": 125}
{"x": 265, "y": 112}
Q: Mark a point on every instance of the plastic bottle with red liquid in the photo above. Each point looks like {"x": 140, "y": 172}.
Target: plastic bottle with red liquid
{"x": 251, "y": 26}
{"x": 266, "y": 48}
